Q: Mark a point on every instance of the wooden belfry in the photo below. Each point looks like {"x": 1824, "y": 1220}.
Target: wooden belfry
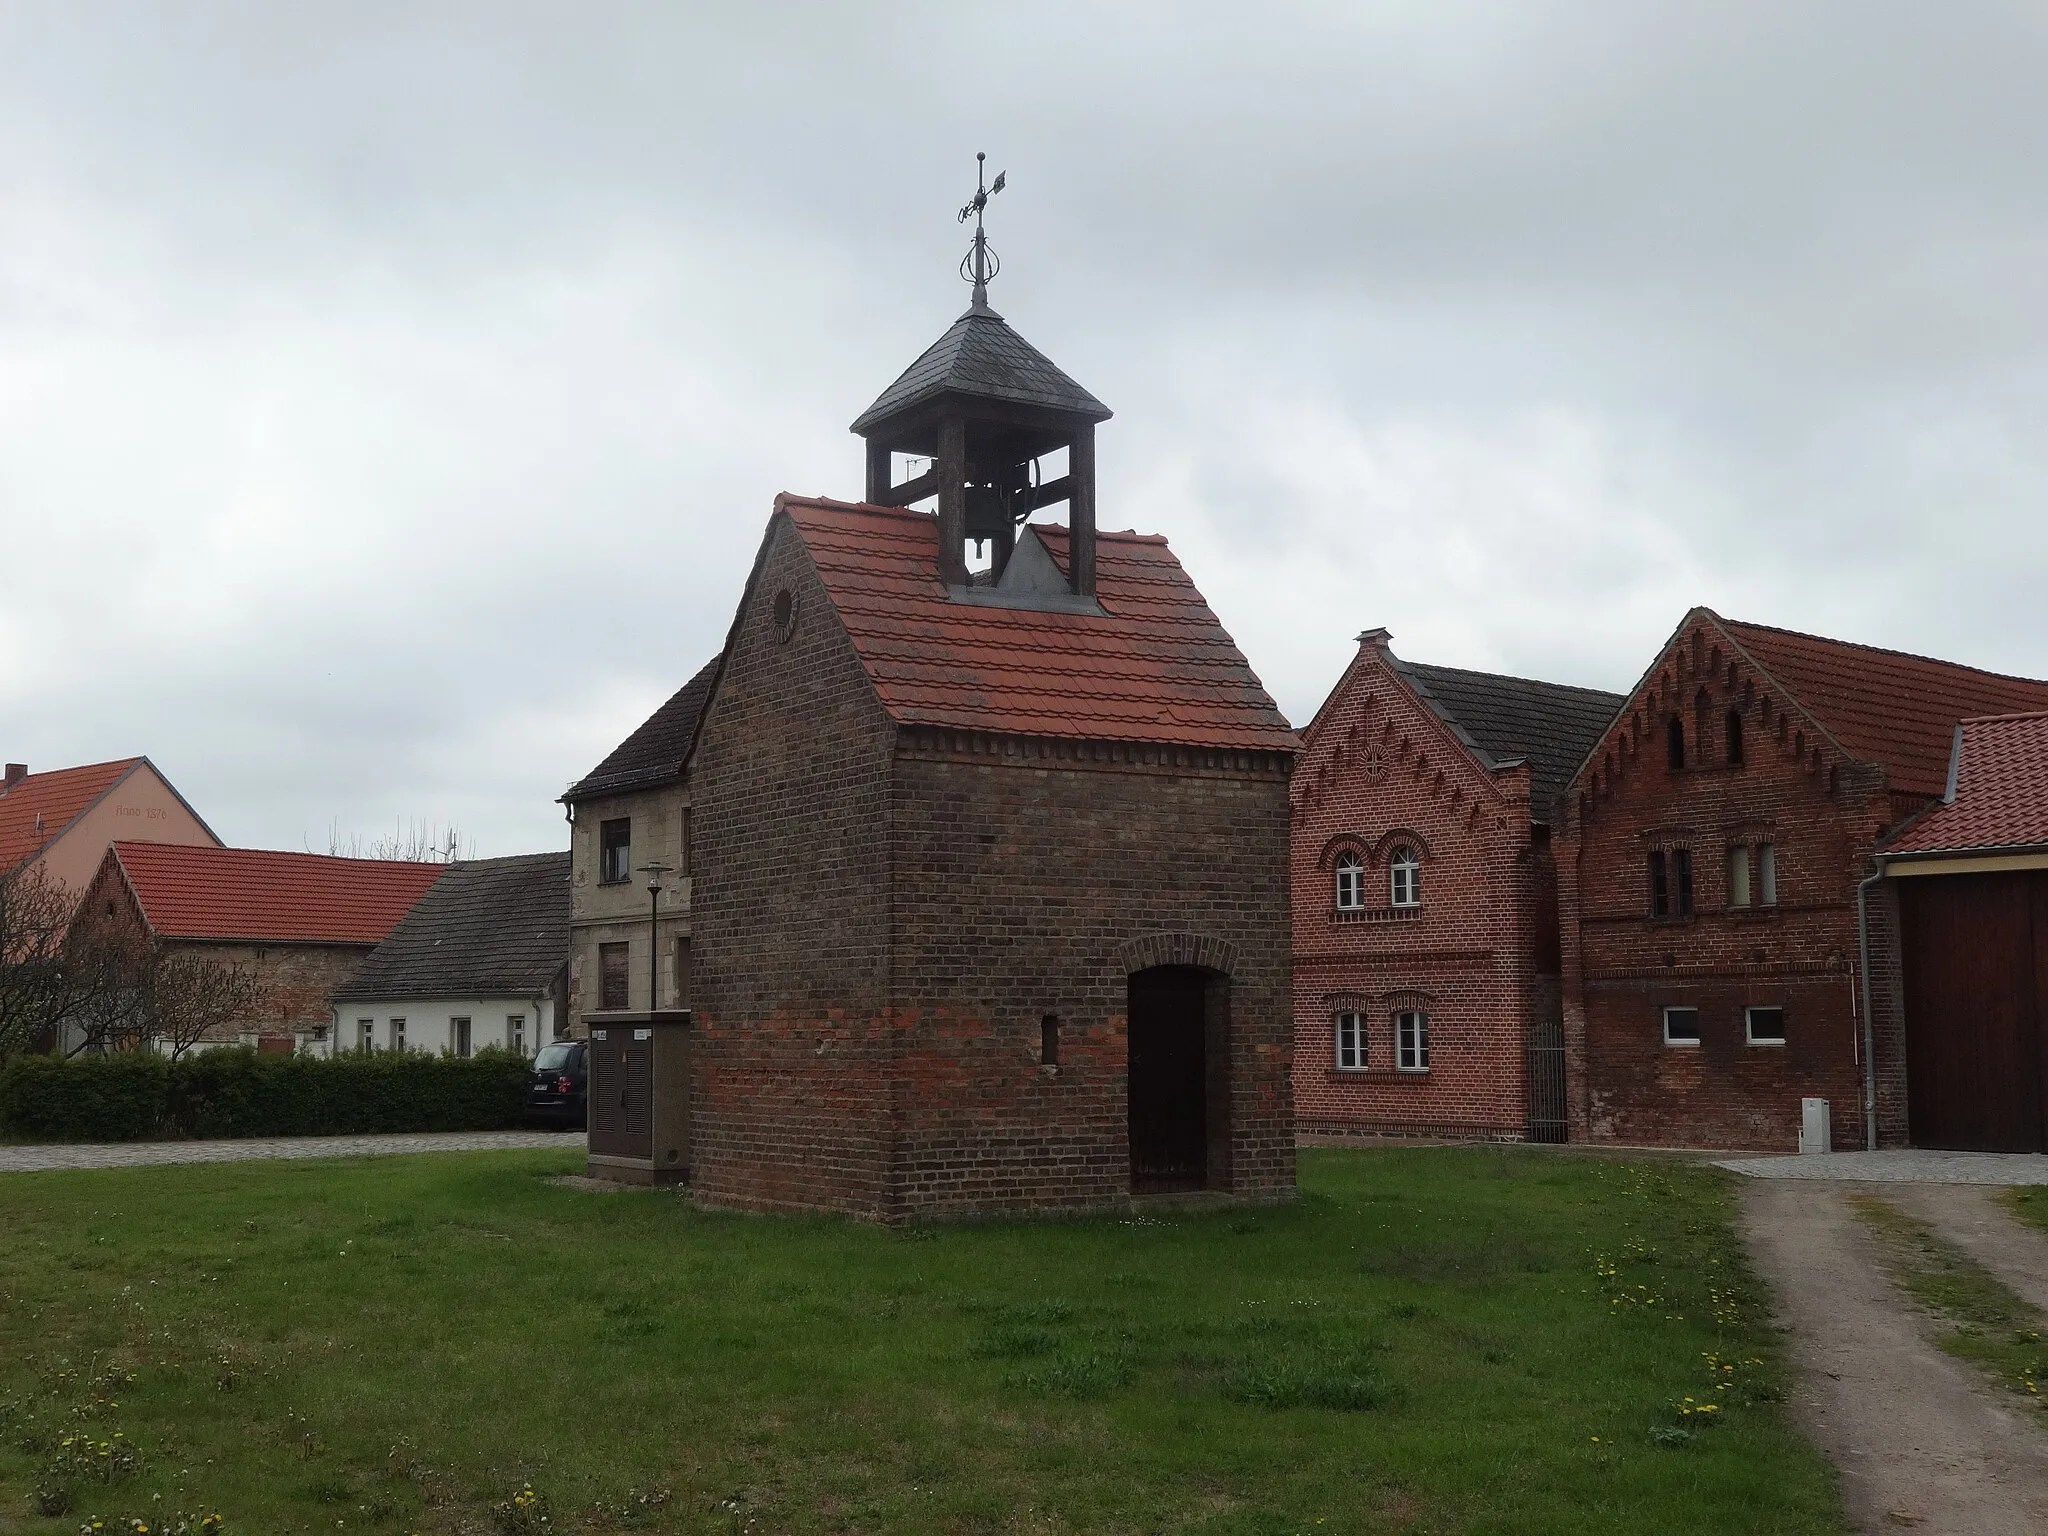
{"x": 985, "y": 406}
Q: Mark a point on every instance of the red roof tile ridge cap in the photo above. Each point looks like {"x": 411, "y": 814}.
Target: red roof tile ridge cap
{"x": 2011, "y": 719}
{"x": 204, "y": 850}
{"x": 1878, "y": 650}
{"x": 784, "y": 500}
{"x": 1113, "y": 535}
{"x": 112, "y": 762}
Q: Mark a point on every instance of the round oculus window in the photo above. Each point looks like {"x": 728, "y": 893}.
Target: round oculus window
{"x": 785, "y": 614}
{"x": 1375, "y": 764}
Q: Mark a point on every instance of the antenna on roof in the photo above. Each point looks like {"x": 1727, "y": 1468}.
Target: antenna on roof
{"x": 980, "y": 263}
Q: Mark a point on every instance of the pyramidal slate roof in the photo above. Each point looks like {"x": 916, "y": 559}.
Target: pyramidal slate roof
{"x": 980, "y": 356}
{"x": 654, "y": 753}
{"x": 487, "y": 928}
{"x": 1550, "y": 726}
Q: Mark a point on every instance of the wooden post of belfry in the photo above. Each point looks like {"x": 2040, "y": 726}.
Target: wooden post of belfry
{"x": 1081, "y": 511}
{"x": 878, "y": 472}
{"x": 952, "y": 468}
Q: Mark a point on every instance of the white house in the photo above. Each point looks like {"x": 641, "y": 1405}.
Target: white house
{"x": 481, "y": 960}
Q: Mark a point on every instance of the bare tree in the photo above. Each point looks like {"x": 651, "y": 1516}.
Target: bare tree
{"x": 413, "y": 842}
{"x": 188, "y": 996}
{"x": 56, "y": 972}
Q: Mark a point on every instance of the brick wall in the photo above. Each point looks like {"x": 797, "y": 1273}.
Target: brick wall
{"x": 1033, "y": 878}
{"x": 789, "y": 911}
{"x": 1623, "y": 966}
{"x": 883, "y": 918}
{"x": 1380, "y": 768}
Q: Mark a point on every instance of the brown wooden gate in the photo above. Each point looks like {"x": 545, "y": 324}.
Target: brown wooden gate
{"x": 1976, "y": 982}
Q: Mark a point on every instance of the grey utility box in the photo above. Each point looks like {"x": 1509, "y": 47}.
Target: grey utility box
{"x": 640, "y": 1096}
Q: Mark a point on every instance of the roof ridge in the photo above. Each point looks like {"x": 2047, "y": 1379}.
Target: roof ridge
{"x": 1879, "y": 650}
{"x": 1516, "y": 677}
{"x": 2014, "y": 717}
{"x": 204, "y": 850}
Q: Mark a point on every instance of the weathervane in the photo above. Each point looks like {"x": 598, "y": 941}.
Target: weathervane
{"x": 980, "y": 264}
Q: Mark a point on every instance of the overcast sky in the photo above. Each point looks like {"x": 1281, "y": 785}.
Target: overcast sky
{"x": 392, "y": 397}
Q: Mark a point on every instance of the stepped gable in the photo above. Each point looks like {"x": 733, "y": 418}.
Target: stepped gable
{"x": 486, "y": 928}
{"x": 2000, "y": 791}
{"x": 1550, "y": 726}
{"x": 1885, "y": 706}
{"x": 654, "y": 753}
{"x": 254, "y": 895}
{"x": 1154, "y": 665}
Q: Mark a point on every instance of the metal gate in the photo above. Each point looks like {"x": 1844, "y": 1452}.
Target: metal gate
{"x": 1543, "y": 1051}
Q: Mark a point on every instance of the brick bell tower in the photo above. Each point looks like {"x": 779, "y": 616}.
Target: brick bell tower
{"x": 985, "y": 406}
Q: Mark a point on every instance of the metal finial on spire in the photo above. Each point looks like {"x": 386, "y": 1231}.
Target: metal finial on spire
{"x": 980, "y": 263}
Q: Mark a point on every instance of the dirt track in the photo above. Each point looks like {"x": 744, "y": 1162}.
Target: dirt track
{"x": 1922, "y": 1441}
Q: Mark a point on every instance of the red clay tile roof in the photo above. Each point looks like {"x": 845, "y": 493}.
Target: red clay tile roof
{"x": 59, "y": 797}
{"x": 2001, "y": 791}
{"x": 1885, "y": 706}
{"x": 259, "y": 896}
{"x": 1156, "y": 666}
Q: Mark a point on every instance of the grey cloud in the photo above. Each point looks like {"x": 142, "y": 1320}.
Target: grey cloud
{"x": 391, "y": 396}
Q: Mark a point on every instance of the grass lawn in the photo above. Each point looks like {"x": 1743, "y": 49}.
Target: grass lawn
{"x": 1436, "y": 1339}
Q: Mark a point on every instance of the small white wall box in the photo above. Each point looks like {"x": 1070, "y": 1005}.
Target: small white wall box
{"x": 1816, "y": 1131}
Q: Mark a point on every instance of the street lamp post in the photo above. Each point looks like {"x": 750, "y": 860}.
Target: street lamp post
{"x": 654, "y": 872}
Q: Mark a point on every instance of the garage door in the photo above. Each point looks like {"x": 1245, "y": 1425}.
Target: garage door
{"x": 1976, "y": 973}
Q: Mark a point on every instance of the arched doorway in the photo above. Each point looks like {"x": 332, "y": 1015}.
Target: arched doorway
{"x": 1178, "y": 1079}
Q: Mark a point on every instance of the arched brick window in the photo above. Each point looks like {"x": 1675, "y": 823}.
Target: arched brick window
{"x": 1350, "y": 883}
{"x": 1404, "y": 877}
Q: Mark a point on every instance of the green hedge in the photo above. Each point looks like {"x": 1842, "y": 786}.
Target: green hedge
{"x": 229, "y": 1093}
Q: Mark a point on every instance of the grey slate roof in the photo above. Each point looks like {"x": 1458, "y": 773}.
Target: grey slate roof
{"x": 654, "y": 753}
{"x": 980, "y": 356}
{"x": 486, "y": 928}
{"x": 1550, "y": 726}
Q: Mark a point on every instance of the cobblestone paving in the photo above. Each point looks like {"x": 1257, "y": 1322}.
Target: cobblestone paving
{"x": 143, "y": 1154}
{"x": 1903, "y": 1165}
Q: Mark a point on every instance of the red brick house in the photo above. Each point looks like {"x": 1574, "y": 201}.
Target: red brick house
{"x": 1970, "y": 877}
{"x": 988, "y": 868}
{"x": 1716, "y": 843}
{"x": 299, "y": 922}
{"x": 1426, "y": 964}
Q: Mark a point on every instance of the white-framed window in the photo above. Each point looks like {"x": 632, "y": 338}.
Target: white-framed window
{"x": 1350, "y": 1042}
{"x": 366, "y": 1035}
{"x": 1350, "y": 883}
{"x": 1404, "y": 877}
{"x": 1681, "y": 1026}
{"x": 1767, "y": 873}
{"x": 1411, "y": 1041}
{"x": 398, "y": 1034}
{"x": 515, "y": 1032}
{"x": 1764, "y": 1026}
{"x": 459, "y": 1030}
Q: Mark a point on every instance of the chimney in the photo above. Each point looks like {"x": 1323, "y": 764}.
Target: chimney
{"x": 16, "y": 772}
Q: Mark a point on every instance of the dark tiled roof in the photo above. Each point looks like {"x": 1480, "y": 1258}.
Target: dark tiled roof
{"x": 1154, "y": 665}
{"x": 260, "y": 896}
{"x": 2001, "y": 791}
{"x": 980, "y": 356}
{"x": 488, "y": 928}
{"x": 1885, "y": 706}
{"x": 654, "y": 753}
{"x": 1551, "y": 726}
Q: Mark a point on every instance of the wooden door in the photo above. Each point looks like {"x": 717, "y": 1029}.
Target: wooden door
{"x": 1168, "y": 1089}
{"x": 1973, "y": 983}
